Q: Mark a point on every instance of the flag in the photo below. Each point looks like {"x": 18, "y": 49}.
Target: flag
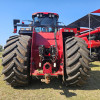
{"x": 96, "y": 11}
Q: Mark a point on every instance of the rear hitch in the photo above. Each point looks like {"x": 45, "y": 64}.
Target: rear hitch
{"x": 47, "y": 79}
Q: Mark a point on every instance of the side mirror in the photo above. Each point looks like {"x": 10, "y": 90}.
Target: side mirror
{"x": 15, "y": 21}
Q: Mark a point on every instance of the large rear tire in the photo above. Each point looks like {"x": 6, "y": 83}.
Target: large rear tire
{"x": 99, "y": 56}
{"x": 16, "y": 60}
{"x": 76, "y": 61}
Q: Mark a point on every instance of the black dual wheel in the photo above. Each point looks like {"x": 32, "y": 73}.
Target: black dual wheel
{"x": 76, "y": 61}
{"x": 99, "y": 56}
{"x": 16, "y": 60}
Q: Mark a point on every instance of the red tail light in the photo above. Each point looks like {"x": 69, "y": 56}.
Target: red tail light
{"x": 15, "y": 30}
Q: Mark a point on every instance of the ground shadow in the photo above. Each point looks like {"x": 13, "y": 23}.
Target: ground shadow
{"x": 55, "y": 84}
{"x": 92, "y": 84}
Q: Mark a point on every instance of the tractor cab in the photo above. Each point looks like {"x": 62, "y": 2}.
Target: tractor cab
{"x": 48, "y": 20}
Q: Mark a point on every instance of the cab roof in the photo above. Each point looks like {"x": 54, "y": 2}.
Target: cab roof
{"x": 45, "y": 13}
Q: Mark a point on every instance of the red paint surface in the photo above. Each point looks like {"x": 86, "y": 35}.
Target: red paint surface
{"x": 47, "y": 70}
{"x": 92, "y": 43}
{"x": 92, "y": 32}
{"x": 46, "y": 13}
{"x": 46, "y": 39}
{"x": 96, "y": 11}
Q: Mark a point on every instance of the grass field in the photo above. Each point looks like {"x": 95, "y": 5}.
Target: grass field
{"x": 55, "y": 90}
{"x": 0, "y": 54}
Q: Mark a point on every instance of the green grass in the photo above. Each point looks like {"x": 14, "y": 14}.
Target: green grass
{"x": 0, "y": 54}
{"x": 55, "y": 90}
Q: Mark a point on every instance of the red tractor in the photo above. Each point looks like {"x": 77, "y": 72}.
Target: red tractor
{"x": 90, "y": 33}
{"x": 43, "y": 51}
{"x": 93, "y": 41}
